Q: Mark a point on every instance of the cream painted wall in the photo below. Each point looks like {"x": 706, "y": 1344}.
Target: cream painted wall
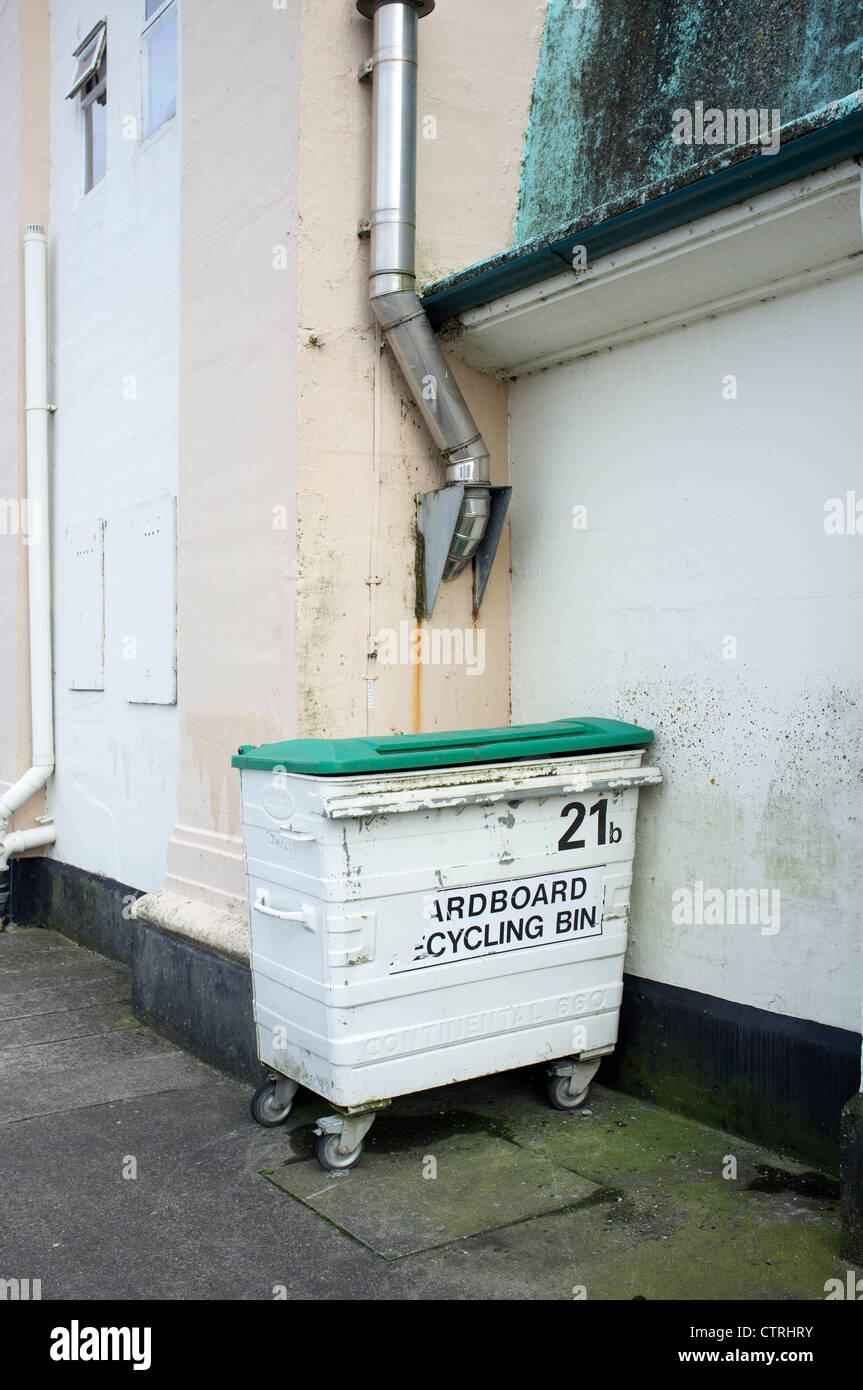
{"x": 275, "y": 623}
{"x": 285, "y": 483}
{"x": 10, "y": 416}
{"x": 478, "y": 60}
{"x": 237, "y": 480}
{"x": 35, "y": 38}
{"x": 474, "y": 88}
{"x": 24, "y": 173}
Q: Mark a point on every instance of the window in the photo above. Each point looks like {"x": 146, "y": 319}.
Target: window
{"x": 159, "y": 63}
{"x": 91, "y": 88}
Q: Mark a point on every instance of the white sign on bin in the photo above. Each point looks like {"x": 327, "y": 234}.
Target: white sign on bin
{"x": 515, "y": 915}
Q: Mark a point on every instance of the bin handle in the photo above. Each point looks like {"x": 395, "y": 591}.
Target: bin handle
{"x": 291, "y": 834}
{"x": 262, "y": 904}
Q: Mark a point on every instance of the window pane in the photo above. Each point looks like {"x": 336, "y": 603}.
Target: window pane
{"x": 152, "y": 6}
{"x": 96, "y": 141}
{"x": 160, "y": 67}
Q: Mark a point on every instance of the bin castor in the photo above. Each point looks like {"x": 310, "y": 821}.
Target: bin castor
{"x": 266, "y": 1109}
{"x": 327, "y": 1154}
{"x": 559, "y": 1094}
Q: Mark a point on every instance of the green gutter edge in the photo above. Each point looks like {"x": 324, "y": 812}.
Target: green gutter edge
{"x": 813, "y": 142}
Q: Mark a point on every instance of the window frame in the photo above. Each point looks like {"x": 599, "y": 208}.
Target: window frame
{"x": 89, "y": 90}
{"x": 88, "y": 101}
{"x": 98, "y": 36}
{"x": 148, "y": 24}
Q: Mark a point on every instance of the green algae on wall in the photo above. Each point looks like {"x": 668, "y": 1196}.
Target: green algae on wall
{"x": 611, "y": 76}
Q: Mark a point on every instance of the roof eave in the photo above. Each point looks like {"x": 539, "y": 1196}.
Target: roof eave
{"x": 813, "y": 142}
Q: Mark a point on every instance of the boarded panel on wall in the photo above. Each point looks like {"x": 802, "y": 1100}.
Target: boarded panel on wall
{"x": 84, "y": 629}
{"x": 149, "y": 602}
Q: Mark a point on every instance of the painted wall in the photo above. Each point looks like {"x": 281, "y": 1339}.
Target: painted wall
{"x": 10, "y": 417}
{"x": 357, "y": 478}
{"x": 290, "y": 493}
{"x": 706, "y": 600}
{"x": 611, "y": 76}
{"x": 238, "y": 422}
{"x": 477, "y": 68}
{"x": 24, "y": 169}
{"x": 114, "y": 316}
{"x": 201, "y": 267}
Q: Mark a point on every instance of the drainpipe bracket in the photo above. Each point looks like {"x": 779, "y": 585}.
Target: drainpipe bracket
{"x": 487, "y": 548}
{"x": 368, "y": 7}
{"x": 365, "y": 70}
{"x": 364, "y": 227}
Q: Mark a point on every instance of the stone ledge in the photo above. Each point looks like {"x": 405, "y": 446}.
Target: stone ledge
{"x": 223, "y": 933}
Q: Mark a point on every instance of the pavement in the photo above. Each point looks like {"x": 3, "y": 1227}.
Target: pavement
{"x": 132, "y": 1170}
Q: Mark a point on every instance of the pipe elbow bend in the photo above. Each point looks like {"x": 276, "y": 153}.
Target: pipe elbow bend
{"x": 446, "y": 414}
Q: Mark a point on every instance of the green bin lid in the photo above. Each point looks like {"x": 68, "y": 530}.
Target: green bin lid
{"x": 323, "y": 757}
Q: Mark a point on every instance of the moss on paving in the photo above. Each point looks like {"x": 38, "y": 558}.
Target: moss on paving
{"x": 667, "y": 1223}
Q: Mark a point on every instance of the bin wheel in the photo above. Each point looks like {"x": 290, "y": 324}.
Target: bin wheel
{"x": 327, "y": 1154}
{"x": 263, "y": 1108}
{"x": 559, "y": 1096}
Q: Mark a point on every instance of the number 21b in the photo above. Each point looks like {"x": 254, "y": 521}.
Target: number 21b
{"x": 599, "y": 809}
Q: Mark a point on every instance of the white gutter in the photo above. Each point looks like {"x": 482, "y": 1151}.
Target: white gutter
{"x": 771, "y": 243}
{"x": 38, "y": 558}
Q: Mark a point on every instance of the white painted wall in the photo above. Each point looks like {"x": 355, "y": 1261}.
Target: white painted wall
{"x": 115, "y": 316}
{"x": 706, "y": 520}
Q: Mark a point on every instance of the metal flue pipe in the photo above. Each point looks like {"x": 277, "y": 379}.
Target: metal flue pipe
{"x": 392, "y": 275}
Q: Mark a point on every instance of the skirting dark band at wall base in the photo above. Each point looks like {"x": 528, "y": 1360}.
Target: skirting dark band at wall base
{"x": 778, "y": 1080}
{"x": 85, "y": 906}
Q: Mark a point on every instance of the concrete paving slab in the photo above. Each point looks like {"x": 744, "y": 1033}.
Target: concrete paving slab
{"x": 196, "y": 1221}
{"x": 43, "y": 955}
{"x": 42, "y": 1079}
{"x": 67, "y": 1023}
{"x": 26, "y": 944}
{"x": 74, "y": 991}
{"x": 36, "y": 941}
{"x": 402, "y": 1199}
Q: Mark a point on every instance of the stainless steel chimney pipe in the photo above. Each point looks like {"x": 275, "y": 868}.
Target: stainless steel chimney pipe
{"x": 392, "y": 274}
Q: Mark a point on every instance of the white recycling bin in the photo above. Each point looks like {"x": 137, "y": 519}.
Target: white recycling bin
{"x": 428, "y": 908}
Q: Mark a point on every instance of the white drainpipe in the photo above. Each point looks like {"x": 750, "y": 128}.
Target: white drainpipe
{"x": 38, "y": 560}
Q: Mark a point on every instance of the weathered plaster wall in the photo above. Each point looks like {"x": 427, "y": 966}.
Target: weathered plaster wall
{"x": 610, "y": 77}
{"x": 237, "y": 477}
{"x": 474, "y": 88}
{"x": 114, "y": 303}
{"x": 705, "y": 522}
{"x": 478, "y": 63}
